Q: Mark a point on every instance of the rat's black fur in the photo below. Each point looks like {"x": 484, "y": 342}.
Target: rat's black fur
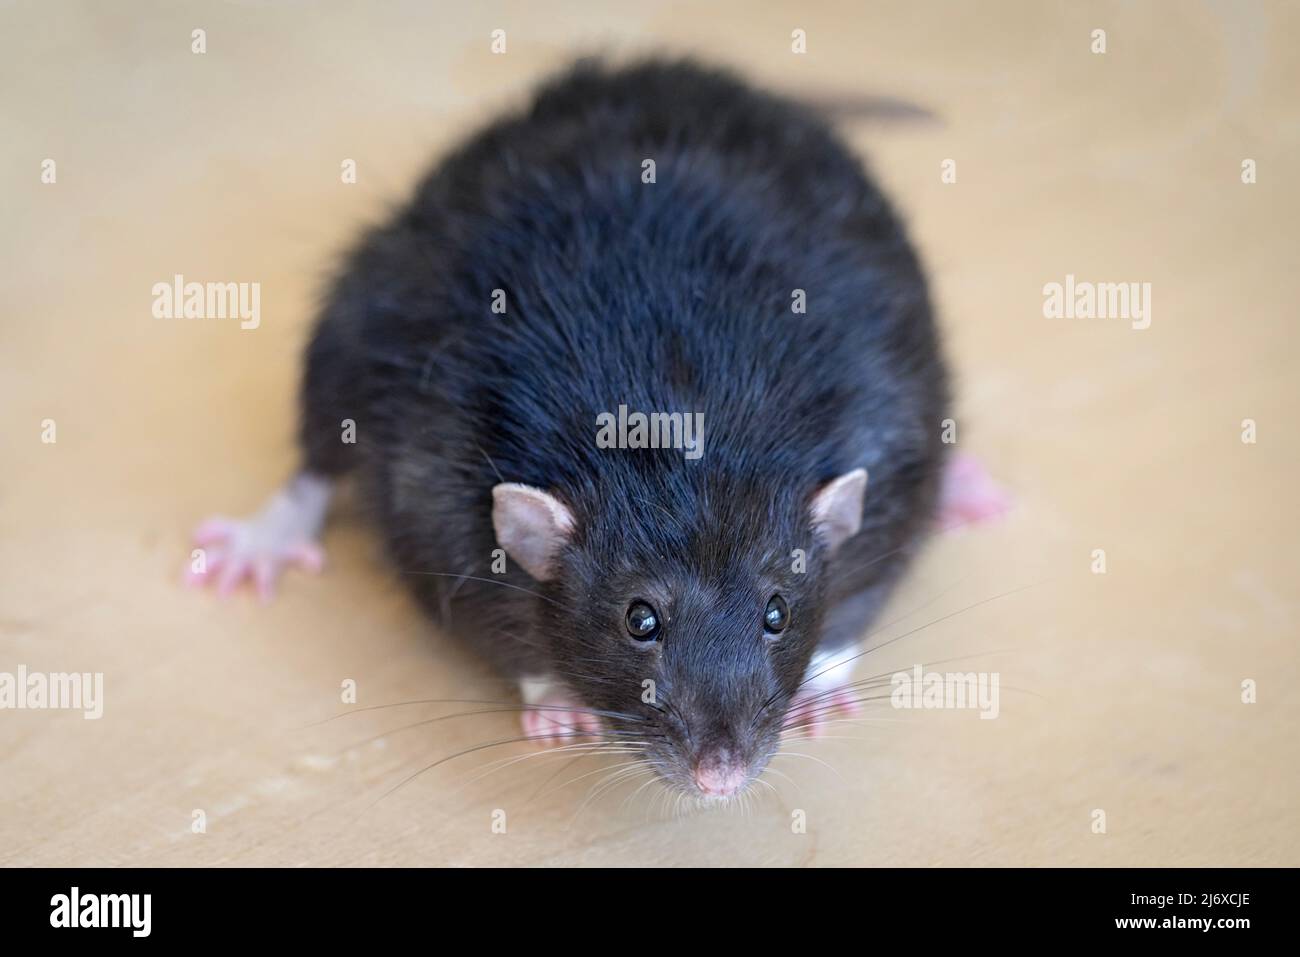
{"x": 674, "y": 297}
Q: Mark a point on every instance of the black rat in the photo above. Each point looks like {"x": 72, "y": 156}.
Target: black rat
{"x": 644, "y": 390}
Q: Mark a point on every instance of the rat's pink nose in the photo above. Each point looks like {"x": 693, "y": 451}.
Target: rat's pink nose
{"x": 719, "y": 778}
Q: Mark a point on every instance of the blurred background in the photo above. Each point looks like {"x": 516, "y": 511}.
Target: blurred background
{"x": 1121, "y": 691}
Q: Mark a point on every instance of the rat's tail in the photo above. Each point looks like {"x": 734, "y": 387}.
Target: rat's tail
{"x": 851, "y": 108}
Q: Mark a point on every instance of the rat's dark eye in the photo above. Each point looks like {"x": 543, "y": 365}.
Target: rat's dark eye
{"x": 777, "y": 615}
{"x": 642, "y": 622}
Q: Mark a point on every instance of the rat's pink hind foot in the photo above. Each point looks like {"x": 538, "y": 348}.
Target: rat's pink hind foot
{"x": 259, "y": 548}
{"x": 969, "y": 494}
{"x": 550, "y": 716}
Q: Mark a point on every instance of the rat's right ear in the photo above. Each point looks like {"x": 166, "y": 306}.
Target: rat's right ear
{"x": 837, "y": 508}
{"x": 531, "y": 525}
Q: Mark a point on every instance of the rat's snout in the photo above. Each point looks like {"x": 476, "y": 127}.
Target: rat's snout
{"x": 720, "y": 775}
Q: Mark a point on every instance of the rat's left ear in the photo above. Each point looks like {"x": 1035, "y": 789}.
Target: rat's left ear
{"x": 837, "y": 508}
{"x": 531, "y": 525}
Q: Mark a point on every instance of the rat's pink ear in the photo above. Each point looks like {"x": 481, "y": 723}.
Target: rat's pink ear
{"x": 837, "y": 508}
{"x": 531, "y": 525}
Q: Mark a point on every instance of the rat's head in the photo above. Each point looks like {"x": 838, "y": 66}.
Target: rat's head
{"x": 688, "y": 624}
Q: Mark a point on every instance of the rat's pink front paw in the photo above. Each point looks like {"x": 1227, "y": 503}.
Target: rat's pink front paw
{"x": 260, "y": 548}
{"x": 810, "y": 711}
{"x": 969, "y": 494}
{"x": 551, "y": 715}
{"x": 828, "y": 691}
{"x": 554, "y": 723}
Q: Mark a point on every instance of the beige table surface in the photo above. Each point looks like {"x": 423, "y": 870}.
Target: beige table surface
{"x": 1121, "y": 691}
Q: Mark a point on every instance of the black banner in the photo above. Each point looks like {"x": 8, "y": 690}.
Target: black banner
{"x": 915, "y": 907}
